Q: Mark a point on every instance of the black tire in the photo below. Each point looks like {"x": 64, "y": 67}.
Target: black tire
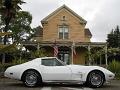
{"x": 31, "y": 78}
{"x": 95, "y": 79}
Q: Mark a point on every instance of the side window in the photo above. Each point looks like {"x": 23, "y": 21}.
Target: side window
{"x": 47, "y": 62}
{"x": 51, "y": 62}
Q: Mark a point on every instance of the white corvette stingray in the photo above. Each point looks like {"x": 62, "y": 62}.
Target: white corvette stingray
{"x": 53, "y": 70}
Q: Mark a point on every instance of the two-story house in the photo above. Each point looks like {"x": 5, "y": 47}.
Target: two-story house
{"x": 66, "y": 30}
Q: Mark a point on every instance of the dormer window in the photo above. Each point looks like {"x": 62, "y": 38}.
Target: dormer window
{"x": 63, "y": 32}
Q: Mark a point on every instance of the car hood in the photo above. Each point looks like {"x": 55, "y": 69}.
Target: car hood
{"x": 84, "y": 69}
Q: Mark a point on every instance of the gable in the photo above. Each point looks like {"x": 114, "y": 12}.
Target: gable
{"x": 65, "y": 8}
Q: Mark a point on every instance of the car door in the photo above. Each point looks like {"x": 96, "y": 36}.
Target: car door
{"x": 53, "y": 70}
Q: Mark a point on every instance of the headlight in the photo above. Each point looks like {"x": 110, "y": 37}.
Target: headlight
{"x": 9, "y": 72}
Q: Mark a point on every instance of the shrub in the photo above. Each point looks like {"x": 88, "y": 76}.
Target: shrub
{"x": 3, "y": 68}
{"x": 114, "y": 66}
{"x": 18, "y": 61}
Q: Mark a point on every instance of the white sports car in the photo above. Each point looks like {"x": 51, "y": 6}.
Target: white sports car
{"x": 51, "y": 69}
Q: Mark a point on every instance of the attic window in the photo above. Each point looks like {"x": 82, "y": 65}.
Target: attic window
{"x": 63, "y": 18}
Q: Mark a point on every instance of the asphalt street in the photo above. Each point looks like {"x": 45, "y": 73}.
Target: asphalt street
{"x": 8, "y": 84}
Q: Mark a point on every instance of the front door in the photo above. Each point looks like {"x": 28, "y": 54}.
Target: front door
{"x": 64, "y": 55}
{"x": 53, "y": 70}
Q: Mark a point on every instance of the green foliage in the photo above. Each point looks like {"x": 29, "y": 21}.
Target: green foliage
{"x": 113, "y": 51}
{"x": 20, "y": 22}
{"x": 15, "y": 4}
{"x": 21, "y": 26}
{"x": 13, "y": 9}
{"x": 16, "y": 21}
{"x": 95, "y": 54}
{"x": 8, "y": 49}
{"x": 114, "y": 66}
{"x": 39, "y": 53}
{"x": 18, "y": 61}
{"x": 114, "y": 38}
{"x": 3, "y": 67}
{"x": 114, "y": 44}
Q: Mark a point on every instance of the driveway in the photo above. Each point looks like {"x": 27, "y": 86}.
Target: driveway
{"x": 8, "y": 84}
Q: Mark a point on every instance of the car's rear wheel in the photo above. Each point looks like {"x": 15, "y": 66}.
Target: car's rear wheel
{"x": 31, "y": 78}
{"x": 95, "y": 79}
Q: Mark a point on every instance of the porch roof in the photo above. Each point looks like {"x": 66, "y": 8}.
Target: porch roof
{"x": 66, "y": 43}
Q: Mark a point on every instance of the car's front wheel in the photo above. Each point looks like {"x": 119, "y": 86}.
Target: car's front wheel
{"x": 31, "y": 78}
{"x": 95, "y": 79}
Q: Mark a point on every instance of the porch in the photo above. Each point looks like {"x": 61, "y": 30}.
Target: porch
{"x": 69, "y": 52}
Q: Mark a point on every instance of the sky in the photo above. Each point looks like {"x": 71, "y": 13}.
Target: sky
{"x": 101, "y": 15}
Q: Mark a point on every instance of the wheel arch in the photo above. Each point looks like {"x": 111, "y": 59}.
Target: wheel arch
{"x": 22, "y": 76}
{"x": 94, "y": 71}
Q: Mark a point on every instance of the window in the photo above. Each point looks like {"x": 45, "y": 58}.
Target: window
{"x": 63, "y": 32}
{"x": 64, "y": 55}
{"x": 63, "y": 18}
{"x": 51, "y": 62}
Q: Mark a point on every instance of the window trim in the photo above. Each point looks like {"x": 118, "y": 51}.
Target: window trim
{"x": 63, "y": 33}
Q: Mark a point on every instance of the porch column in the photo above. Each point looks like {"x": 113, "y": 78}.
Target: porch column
{"x": 89, "y": 57}
{"x": 38, "y": 46}
{"x": 72, "y": 54}
{"x": 106, "y": 61}
{"x": 73, "y": 51}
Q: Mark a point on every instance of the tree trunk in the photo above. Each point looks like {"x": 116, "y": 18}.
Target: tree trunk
{"x": 5, "y": 42}
{"x": 3, "y": 58}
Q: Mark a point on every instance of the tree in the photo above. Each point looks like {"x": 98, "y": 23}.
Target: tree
{"x": 8, "y": 9}
{"x": 21, "y": 27}
{"x": 113, "y": 39}
{"x": 113, "y": 54}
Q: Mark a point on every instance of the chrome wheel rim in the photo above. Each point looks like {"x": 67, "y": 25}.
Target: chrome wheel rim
{"x": 31, "y": 79}
{"x": 96, "y": 79}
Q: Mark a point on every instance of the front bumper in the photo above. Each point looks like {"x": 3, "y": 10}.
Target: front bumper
{"x": 110, "y": 76}
{"x": 9, "y": 74}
